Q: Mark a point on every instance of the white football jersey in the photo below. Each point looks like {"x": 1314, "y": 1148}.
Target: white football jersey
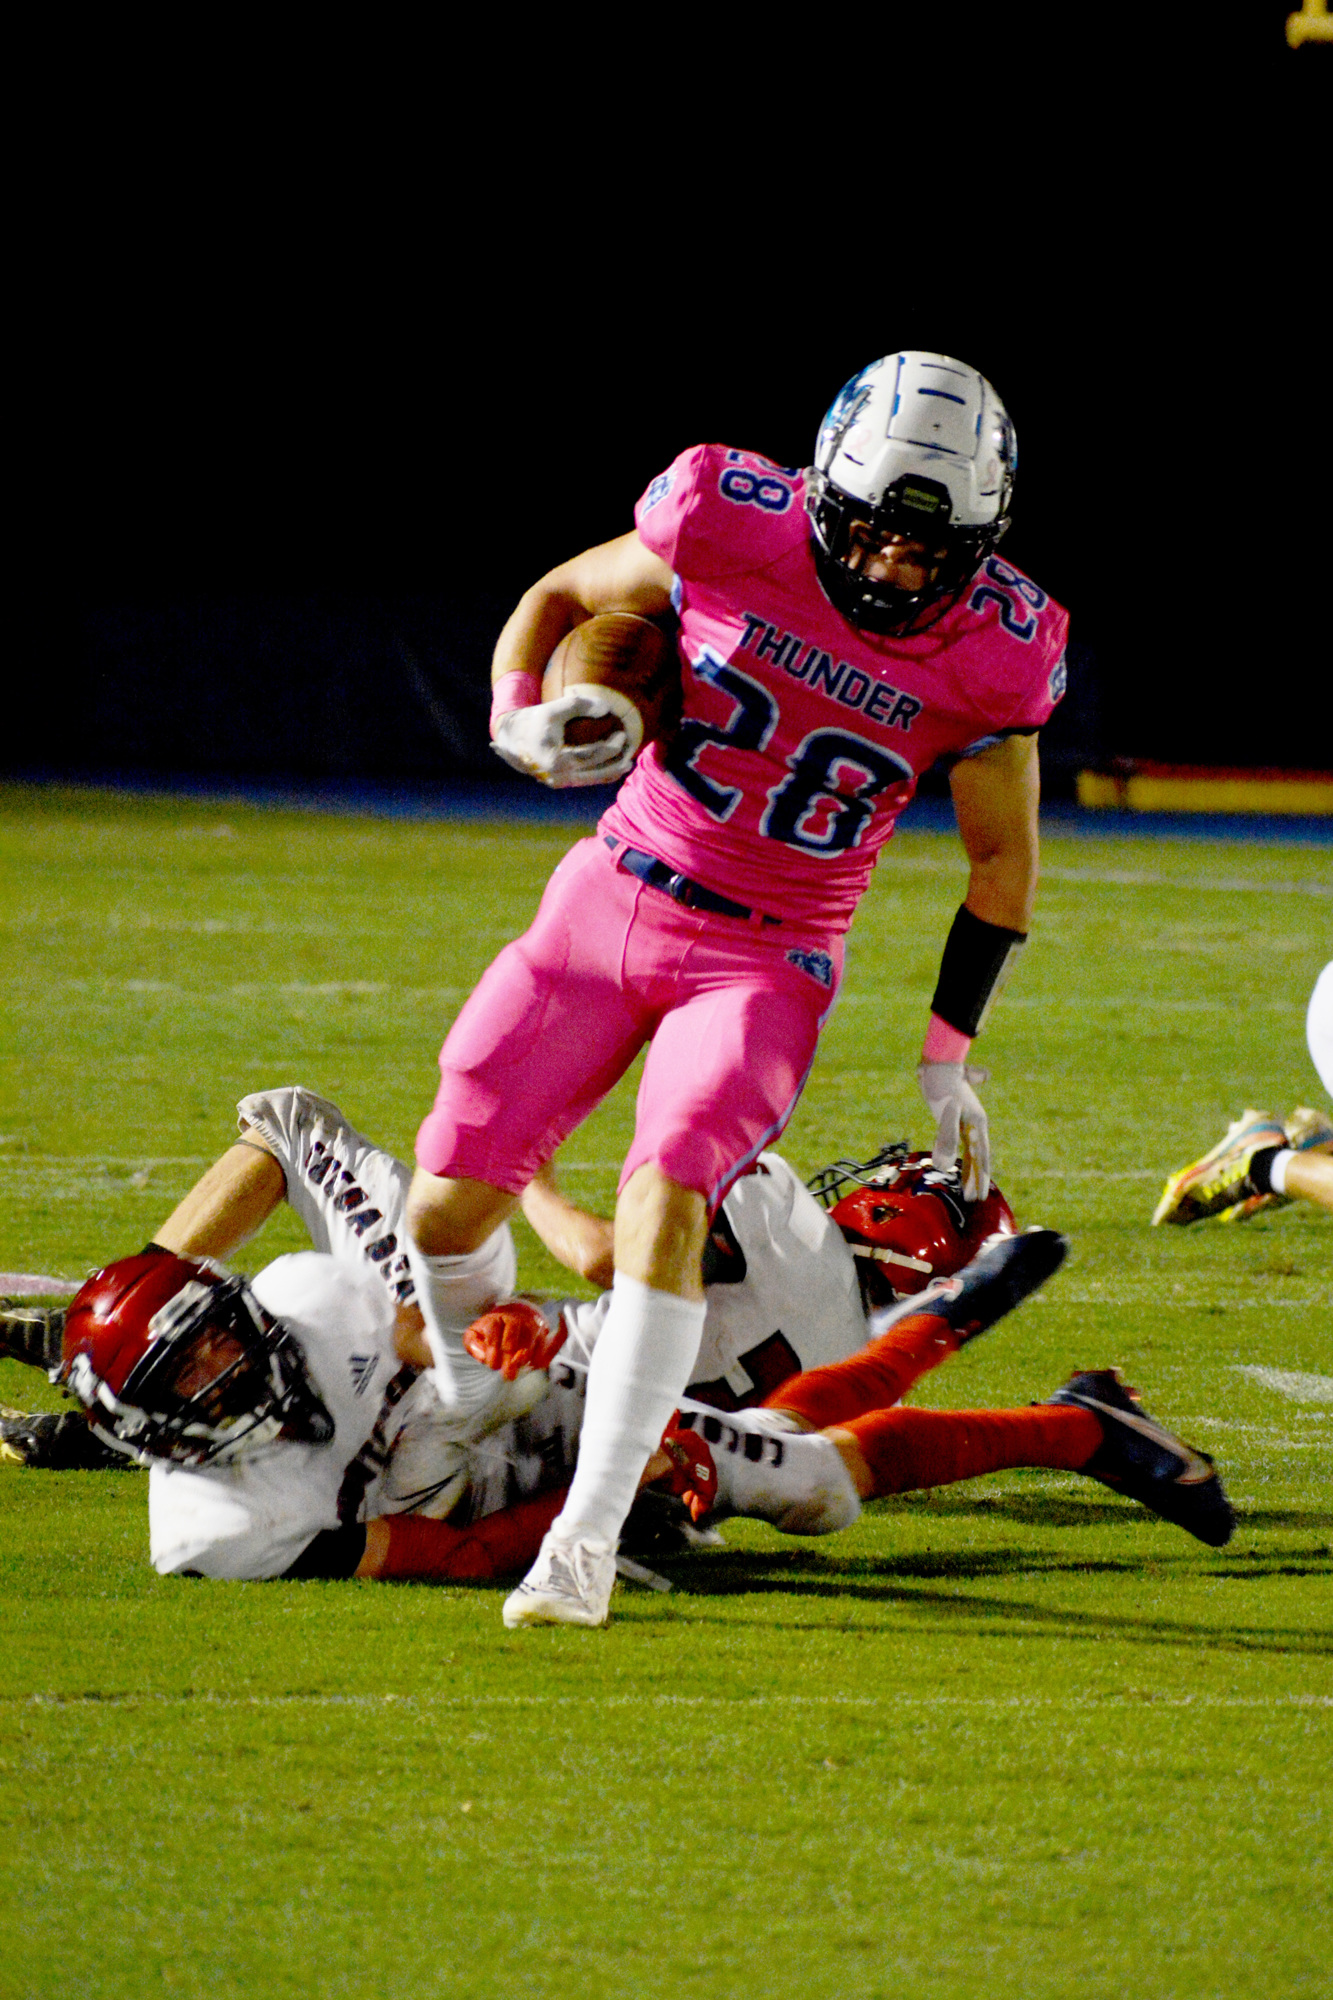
{"x": 789, "y": 1301}
{"x": 349, "y": 1194}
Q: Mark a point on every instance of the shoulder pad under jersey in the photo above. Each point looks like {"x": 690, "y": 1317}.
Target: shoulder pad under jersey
{"x": 716, "y": 512}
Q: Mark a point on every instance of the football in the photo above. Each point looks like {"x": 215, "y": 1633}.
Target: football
{"x": 626, "y": 655}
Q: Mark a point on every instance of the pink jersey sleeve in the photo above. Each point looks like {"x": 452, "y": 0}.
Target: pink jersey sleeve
{"x": 713, "y": 513}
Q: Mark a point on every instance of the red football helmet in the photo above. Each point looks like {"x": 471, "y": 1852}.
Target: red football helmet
{"x": 175, "y": 1358}
{"x": 905, "y": 1222}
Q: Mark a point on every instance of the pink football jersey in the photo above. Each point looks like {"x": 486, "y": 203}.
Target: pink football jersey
{"x": 802, "y": 737}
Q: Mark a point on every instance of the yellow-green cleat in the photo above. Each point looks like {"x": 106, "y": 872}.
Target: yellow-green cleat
{"x": 1307, "y": 1132}
{"x": 1219, "y": 1183}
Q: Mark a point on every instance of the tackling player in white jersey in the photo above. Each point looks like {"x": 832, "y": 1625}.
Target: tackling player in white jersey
{"x": 289, "y": 1432}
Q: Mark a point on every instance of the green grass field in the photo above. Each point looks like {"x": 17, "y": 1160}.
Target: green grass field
{"x": 1013, "y": 1738}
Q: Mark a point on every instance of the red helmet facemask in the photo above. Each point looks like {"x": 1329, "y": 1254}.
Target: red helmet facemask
{"x": 905, "y": 1222}
{"x": 176, "y": 1359}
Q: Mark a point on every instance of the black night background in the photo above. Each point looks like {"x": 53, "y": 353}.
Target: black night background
{"x": 330, "y": 351}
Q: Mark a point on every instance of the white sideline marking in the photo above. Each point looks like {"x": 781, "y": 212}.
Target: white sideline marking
{"x": 32, "y": 1285}
{"x": 1290, "y": 1382}
{"x": 1055, "y": 1003}
{"x": 53, "y": 1163}
{"x": 1134, "y": 878}
{"x": 762, "y": 1702}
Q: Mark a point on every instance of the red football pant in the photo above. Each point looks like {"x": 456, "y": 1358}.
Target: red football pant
{"x": 879, "y": 1375}
{"x": 907, "y": 1449}
{"x": 499, "y": 1545}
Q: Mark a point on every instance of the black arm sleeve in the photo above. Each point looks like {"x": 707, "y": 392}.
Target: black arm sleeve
{"x": 977, "y": 959}
{"x": 335, "y": 1552}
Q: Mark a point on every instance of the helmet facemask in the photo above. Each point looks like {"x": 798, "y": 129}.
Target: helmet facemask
{"x": 218, "y": 1378}
{"x": 917, "y": 448}
{"x": 845, "y": 532}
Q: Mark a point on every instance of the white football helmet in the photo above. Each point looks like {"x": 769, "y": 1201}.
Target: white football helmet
{"x": 918, "y": 445}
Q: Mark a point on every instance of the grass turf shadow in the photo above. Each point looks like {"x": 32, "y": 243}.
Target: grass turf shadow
{"x": 1047, "y": 1512}
{"x": 805, "y": 1574}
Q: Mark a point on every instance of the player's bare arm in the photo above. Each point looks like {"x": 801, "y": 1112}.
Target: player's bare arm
{"x": 229, "y": 1204}
{"x": 995, "y": 794}
{"x": 995, "y": 797}
{"x": 233, "y": 1200}
{"x": 622, "y": 575}
{"x": 580, "y": 1241}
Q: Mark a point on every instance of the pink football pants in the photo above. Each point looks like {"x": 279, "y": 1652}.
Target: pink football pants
{"x": 732, "y": 1010}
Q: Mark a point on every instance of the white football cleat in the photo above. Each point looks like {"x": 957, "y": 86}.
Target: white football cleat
{"x": 569, "y": 1584}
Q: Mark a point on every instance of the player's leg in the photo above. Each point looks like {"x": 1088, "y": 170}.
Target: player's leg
{"x": 1093, "y": 1425}
{"x": 408, "y": 1547}
{"x": 901, "y": 1451}
{"x": 1310, "y": 1175}
{"x": 724, "y": 1070}
{"x": 548, "y": 1031}
{"x": 921, "y": 1333}
{"x": 1258, "y": 1163}
{"x": 649, "y": 1339}
{"x": 1309, "y": 1170}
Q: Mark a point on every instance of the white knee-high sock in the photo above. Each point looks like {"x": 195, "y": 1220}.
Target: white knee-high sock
{"x": 451, "y": 1292}
{"x": 640, "y": 1365}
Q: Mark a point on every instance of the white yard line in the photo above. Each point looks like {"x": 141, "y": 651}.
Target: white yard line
{"x": 1129, "y": 878}
{"x": 895, "y": 1698}
{"x": 1290, "y": 1382}
{"x": 57, "y": 1163}
{"x": 1138, "y": 1003}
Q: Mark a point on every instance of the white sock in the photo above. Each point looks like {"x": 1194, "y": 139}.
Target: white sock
{"x": 1277, "y": 1169}
{"x": 451, "y": 1292}
{"x": 643, "y": 1359}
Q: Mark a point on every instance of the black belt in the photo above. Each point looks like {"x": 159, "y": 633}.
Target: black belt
{"x": 679, "y": 887}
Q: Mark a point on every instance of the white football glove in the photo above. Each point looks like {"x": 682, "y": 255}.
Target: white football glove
{"x": 533, "y": 739}
{"x": 949, "y": 1088}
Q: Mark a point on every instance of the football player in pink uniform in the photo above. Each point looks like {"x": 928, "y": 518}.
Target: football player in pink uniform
{"x": 840, "y": 630}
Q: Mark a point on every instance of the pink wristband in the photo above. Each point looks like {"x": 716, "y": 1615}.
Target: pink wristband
{"x": 514, "y": 690}
{"x": 943, "y": 1043}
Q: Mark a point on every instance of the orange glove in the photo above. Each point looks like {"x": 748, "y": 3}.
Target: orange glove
{"x": 514, "y": 1336}
{"x": 693, "y": 1475}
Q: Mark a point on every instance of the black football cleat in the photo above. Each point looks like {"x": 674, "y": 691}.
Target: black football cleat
{"x": 31, "y": 1333}
{"x": 55, "y": 1441}
{"x": 1138, "y": 1458}
{"x": 1004, "y": 1272}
